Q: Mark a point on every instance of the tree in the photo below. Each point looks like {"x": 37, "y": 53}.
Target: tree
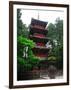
{"x": 59, "y": 30}
{"x": 55, "y": 31}
{"x": 22, "y": 33}
{"x": 51, "y": 31}
{"x": 22, "y": 29}
{"x": 56, "y": 37}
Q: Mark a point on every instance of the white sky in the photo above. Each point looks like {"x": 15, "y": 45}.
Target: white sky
{"x": 44, "y": 15}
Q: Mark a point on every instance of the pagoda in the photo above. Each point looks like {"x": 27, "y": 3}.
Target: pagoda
{"x": 38, "y": 33}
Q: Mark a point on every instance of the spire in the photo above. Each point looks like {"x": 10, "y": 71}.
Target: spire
{"x": 38, "y": 15}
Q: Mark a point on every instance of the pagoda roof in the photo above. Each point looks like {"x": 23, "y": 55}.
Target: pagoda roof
{"x": 36, "y": 27}
{"x": 42, "y": 31}
{"x": 38, "y": 22}
{"x": 37, "y": 49}
{"x": 39, "y": 39}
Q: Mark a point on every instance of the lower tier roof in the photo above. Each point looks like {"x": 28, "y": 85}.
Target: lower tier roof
{"x": 40, "y": 49}
{"x": 38, "y": 38}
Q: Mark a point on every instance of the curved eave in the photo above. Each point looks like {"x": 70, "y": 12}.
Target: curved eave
{"x": 33, "y": 27}
{"x": 39, "y": 49}
{"x": 38, "y": 30}
{"x": 38, "y": 38}
{"x": 39, "y": 22}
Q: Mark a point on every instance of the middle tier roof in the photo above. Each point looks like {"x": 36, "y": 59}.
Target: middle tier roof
{"x": 38, "y": 30}
{"x": 38, "y": 38}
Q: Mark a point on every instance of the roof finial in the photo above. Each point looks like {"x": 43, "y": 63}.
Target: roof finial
{"x": 38, "y": 15}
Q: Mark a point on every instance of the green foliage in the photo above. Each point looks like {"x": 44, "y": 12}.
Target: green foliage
{"x": 24, "y": 63}
{"x": 51, "y": 58}
{"x": 31, "y": 61}
{"x": 27, "y": 42}
{"x": 34, "y": 60}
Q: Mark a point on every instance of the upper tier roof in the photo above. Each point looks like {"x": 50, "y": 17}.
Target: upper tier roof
{"x": 38, "y": 22}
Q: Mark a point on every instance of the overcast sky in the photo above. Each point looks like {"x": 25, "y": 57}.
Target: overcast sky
{"x": 48, "y": 16}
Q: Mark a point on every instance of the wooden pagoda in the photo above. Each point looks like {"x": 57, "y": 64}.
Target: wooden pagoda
{"x": 38, "y": 34}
